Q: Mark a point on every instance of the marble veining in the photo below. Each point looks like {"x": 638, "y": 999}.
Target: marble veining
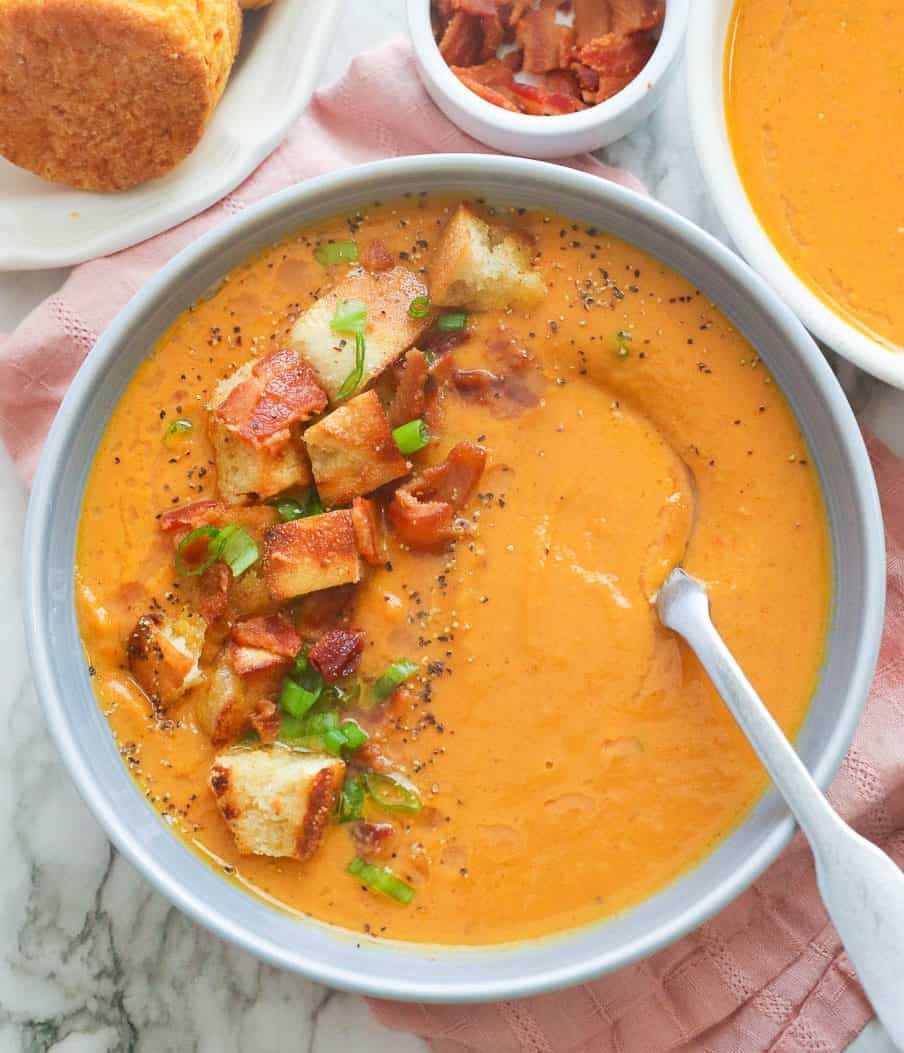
{"x": 91, "y": 959}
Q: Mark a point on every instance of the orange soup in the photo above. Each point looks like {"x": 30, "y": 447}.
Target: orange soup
{"x": 367, "y": 557}
{"x": 815, "y": 98}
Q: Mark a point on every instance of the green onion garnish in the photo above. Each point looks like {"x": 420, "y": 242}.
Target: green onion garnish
{"x": 355, "y": 735}
{"x": 452, "y": 321}
{"x": 336, "y": 252}
{"x": 291, "y": 729}
{"x": 334, "y": 742}
{"x": 350, "y": 317}
{"x": 207, "y": 531}
{"x": 419, "y": 307}
{"x": 351, "y": 800}
{"x": 179, "y": 429}
{"x": 393, "y": 792}
{"x": 236, "y": 547}
{"x": 321, "y": 723}
{"x": 411, "y": 437}
{"x": 381, "y": 879}
{"x": 296, "y": 699}
{"x": 290, "y": 508}
{"x": 395, "y": 675}
{"x": 623, "y": 343}
{"x": 354, "y": 378}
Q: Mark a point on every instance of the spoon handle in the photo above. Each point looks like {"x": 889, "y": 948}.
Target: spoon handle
{"x": 862, "y": 888}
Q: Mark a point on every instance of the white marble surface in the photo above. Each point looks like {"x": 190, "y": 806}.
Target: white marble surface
{"x": 90, "y": 959}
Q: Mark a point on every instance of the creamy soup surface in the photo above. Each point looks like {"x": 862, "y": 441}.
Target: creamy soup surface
{"x": 568, "y": 755}
{"x": 815, "y": 94}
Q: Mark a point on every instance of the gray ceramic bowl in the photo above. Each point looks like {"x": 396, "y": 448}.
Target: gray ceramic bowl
{"x": 334, "y": 956}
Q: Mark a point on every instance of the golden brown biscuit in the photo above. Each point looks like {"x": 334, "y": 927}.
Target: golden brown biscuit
{"x": 250, "y": 5}
{"x": 104, "y": 94}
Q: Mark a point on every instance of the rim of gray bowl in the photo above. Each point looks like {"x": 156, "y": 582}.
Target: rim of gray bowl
{"x": 457, "y": 973}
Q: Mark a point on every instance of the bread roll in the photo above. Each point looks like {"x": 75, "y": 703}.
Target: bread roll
{"x": 104, "y": 94}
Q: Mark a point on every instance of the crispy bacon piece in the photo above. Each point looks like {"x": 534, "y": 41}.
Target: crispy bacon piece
{"x": 368, "y": 526}
{"x": 337, "y": 653}
{"x": 635, "y": 16}
{"x": 376, "y": 256}
{"x": 539, "y": 102}
{"x": 274, "y": 633}
{"x": 190, "y": 517}
{"x": 409, "y": 397}
{"x": 372, "y": 840}
{"x": 249, "y": 660}
{"x": 370, "y": 757}
{"x": 279, "y": 391}
{"x": 481, "y": 8}
{"x": 609, "y": 86}
{"x": 265, "y": 720}
{"x": 422, "y": 513}
{"x": 562, "y": 82}
{"x": 545, "y": 43}
{"x": 486, "y": 91}
{"x": 461, "y": 41}
{"x": 492, "y": 34}
{"x": 615, "y": 55}
{"x": 518, "y": 10}
{"x": 592, "y": 18}
{"x": 440, "y": 343}
{"x": 325, "y": 610}
{"x": 213, "y": 590}
{"x": 588, "y": 80}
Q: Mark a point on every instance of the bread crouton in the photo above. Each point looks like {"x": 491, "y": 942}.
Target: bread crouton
{"x": 163, "y": 655}
{"x": 306, "y": 555}
{"x": 390, "y": 328}
{"x": 352, "y": 451}
{"x": 484, "y": 267}
{"x": 224, "y": 711}
{"x": 253, "y": 425}
{"x": 276, "y": 801}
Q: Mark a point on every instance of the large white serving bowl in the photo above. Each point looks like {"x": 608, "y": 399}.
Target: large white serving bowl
{"x": 707, "y": 39}
{"x": 351, "y": 960}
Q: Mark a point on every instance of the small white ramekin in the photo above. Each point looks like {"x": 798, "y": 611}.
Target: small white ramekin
{"x": 707, "y": 39}
{"x": 547, "y": 137}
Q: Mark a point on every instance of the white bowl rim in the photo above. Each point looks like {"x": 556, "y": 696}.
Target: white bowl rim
{"x": 529, "y": 126}
{"x": 707, "y": 119}
{"x": 364, "y": 978}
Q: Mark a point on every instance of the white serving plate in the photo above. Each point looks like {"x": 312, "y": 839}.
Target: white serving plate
{"x": 283, "y": 48}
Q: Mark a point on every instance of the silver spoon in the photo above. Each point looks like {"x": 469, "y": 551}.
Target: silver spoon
{"x": 862, "y": 889}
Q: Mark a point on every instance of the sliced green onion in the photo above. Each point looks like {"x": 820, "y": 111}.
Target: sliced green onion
{"x": 179, "y": 429}
{"x": 300, "y": 666}
{"x": 352, "y": 381}
{"x": 350, "y": 317}
{"x": 452, "y": 321}
{"x": 334, "y": 742}
{"x": 295, "y": 699}
{"x": 207, "y": 531}
{"x": 291, "y": 729}
{"x": 355, "y": 735}
{"x": 321, "y": 723}
{"x": 393, "y": 792}
{"x": 336, "y": 252}
{"x": 381, "y": 879}
{"x": 290, "y": 508}
{"x": 351, "y": 800}
{"x": 395, "y": 675}
{"x": 236, "y": 547}
{"x": 411, "y": 437}
{"x": 345, "y": 695}
{"x": 623, "y": 343}
{"x": 419, "y": 307}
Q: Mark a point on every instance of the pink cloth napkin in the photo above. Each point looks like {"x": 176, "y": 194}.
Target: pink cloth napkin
{"x": 768, "y": 972}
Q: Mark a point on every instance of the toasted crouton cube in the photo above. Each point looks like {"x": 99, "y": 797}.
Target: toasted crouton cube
{"x": 163, "y": 655}
{"x": 226, "y": 708}
{"x": 253, "y": 426}
{"x": 352, "y": 451}
{"x": 276, "y": 801}
{"x": 483, "y": 266}
{"x": 306, "y": 555}
{"x": 390, "y": 328}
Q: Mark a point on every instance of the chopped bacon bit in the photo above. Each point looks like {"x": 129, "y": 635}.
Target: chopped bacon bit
{"x": 538, "y": 101}
{"x": 325, "y": 610}
{"x": 371, "y": 757}
{"x": 546, "y": 44}
{"x": 609, "y": 86}
{"x": 337, "y": 653}
{"x": 213, "y": 590}
{"x": 519, "y": 10}
{"x": 475, "y": 380}
{"x": 422, "y": 513}
{"x": 634, "y": 16}
{"x": 190, "y": 517}
{"x": 368, "y": 526}
{"x": 409, "y": 397}
{"x": 588, "y": 79}
{"x": 376, "y": 256}
{"x": 279, "y": 392}
{"x": 615, "y": 55}
{"x": 481, "y": 8}
{"x": 439, "y": 343}
{"x": 592, "y": 18}
{"x": 274, "y": 633}
{"x": 373, "y": 839}
{"x": 248, "y": 660}
{"x": 492, "y": 34}
{"x": 265, "y": 720}
{"x": 562, "y": 82}
{"x": 461, "y": 42}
